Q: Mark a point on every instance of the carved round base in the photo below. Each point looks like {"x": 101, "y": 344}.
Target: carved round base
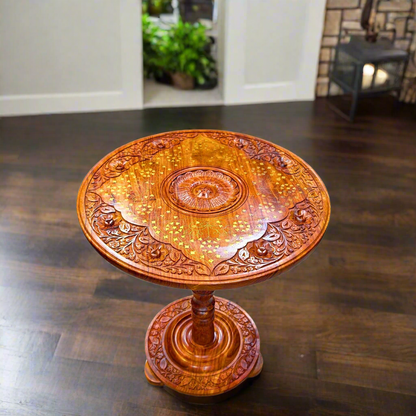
{"x": 193, "y": 371}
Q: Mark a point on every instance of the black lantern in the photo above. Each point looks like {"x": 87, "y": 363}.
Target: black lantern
{"x": 362, "y": 68}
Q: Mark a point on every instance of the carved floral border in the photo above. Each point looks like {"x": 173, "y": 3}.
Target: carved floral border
{"x": 135, "y": 243}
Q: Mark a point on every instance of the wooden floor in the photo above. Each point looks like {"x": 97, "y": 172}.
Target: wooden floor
{"x": 338, "y": 332}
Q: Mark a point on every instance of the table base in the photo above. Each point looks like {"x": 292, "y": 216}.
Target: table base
{"x": 202, "y": 373}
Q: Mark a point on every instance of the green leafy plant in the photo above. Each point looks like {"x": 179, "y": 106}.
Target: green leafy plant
{"x": 152, "y": 39}
{"x": 184, "y": 48}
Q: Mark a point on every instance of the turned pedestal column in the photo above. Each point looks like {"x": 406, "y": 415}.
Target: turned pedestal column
{"x": 203, "y": 210}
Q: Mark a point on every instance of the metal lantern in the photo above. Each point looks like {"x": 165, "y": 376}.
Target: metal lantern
{"x": 362, "y": 68}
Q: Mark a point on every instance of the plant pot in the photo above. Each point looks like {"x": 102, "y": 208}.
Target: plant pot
{"x": 164, "y": 78}
{"x": 182, "y": 81}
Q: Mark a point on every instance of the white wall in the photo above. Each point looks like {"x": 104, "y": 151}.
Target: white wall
{"x": 69, "y": 55}
{"x": 271, "y": 50}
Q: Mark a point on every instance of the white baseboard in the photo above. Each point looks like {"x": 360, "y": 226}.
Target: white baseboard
{"x": 14, "y": 105}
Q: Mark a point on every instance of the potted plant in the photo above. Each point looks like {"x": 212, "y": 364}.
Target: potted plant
{"x": 182, "y": 52}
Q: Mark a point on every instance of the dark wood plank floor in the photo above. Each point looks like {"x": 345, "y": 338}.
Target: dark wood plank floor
{"x": 338, "y": 332}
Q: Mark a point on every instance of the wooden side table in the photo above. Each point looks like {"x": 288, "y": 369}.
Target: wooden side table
{"x": 203, "y": 210}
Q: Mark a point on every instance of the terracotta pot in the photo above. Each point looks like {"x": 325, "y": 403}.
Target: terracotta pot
{"x": 182, "y": 81}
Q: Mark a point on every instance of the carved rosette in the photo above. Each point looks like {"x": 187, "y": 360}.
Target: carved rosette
{"x": 205, "y": 190}
{"x": 202, "y": 383}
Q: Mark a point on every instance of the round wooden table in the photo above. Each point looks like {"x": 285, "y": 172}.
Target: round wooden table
{"x": 203, "y": 210}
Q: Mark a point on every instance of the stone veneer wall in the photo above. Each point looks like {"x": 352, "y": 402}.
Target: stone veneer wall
{"x": 392, "y": 16}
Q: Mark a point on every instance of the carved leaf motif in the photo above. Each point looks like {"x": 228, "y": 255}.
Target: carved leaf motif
{"x": 221, "y": 269}
{"x": 243, "y": 254}
{"x": 175, "y": 255}
{"x": 248, "y": 340}
{"x": 271, "y": 237}
{"x": 202, "y": 269}
{"x": 125, "y": 227}
{"x": 144, "y": 239}
{"x": 107, "y": 209}
{"x": 163, "y": 363}
{"x": 154, "y": 340}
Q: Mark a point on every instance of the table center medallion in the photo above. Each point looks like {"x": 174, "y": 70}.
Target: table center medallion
{"x": 204, "y": 191}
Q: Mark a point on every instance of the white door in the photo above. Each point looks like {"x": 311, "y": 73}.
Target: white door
{"x": 70, "y": 55}
{"x": 271, "y": 50}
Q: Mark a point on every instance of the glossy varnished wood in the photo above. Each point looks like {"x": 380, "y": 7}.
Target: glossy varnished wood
{"x": 203, "y": 349}
{"x": 203, "y": 313}
{"x": 203, "y": 209}
{"x": 338, "y": 334}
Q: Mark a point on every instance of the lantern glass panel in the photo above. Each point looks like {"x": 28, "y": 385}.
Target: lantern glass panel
{"x": 394, "y": 71}
{"x": 345, "y": 69}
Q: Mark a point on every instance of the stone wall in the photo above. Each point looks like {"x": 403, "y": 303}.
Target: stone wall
{"x": 396, "y": 19}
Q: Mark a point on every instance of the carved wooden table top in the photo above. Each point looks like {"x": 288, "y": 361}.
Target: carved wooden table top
{"x": 203, "y": 209}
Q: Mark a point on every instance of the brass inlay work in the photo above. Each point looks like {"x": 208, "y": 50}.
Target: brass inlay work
{"x": 140, "y": 194}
